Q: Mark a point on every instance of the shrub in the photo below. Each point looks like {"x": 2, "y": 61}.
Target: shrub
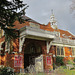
{"x": 6, "y": 71}
{"x": 74, "y": 60}
{"x": 72, "y": 68}
{"x": 70, "y": 62}
{"x": 59, "y": 61}
{"x": 74, "y": 65}
{"x": 64, "y": 67}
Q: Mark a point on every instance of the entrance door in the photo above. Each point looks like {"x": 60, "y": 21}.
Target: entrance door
{"x": 32, "y": 52}
{"x": 39, "y": 63}
{"x": 32, "y": 60}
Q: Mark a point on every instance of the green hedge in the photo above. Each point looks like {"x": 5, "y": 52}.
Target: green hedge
{"x": 59, "y": 60}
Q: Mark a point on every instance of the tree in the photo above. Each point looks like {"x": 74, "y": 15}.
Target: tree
{"x": 9, "y": 12}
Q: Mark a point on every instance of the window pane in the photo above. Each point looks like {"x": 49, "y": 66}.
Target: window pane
{"x": 32, "y": 49}
{"x": 58, "y": 51}
{"x": 62, "y": 51}
{"x": 73, "y": 51}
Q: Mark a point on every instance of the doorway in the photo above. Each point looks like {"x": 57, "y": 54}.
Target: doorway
{"x": 31, "y": 52}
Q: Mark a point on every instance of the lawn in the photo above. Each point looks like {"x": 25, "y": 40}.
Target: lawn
{"x": 63, "y": 72}
{"x": 59, "y": 71}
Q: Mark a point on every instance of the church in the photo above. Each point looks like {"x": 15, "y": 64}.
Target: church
{"x": 37, "y": 45}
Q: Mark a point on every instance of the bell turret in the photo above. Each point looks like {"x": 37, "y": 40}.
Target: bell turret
{"x": 53, "y": 21}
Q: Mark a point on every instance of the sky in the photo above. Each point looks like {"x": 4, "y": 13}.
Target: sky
{"x": 40, "y": 11}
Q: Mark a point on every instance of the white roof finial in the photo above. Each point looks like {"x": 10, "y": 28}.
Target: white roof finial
{"x": 53, "y": 20}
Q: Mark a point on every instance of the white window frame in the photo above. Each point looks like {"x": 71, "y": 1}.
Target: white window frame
{"x": 60, "y": 51}
{"x": 73, "y": 52}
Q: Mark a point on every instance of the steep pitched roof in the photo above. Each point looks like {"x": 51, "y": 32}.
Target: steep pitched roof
{"x": 19, "y": 26}
{"x": 47, "y": 27}
{"x": 26, "y": 23}
{"x": 42, "y": 26}
{"x": 65, "y": 34}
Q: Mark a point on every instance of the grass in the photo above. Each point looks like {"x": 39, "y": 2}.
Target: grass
{"x": 59, "y": 71}
{"x": 65, "y": 71}
{"x": 69, "y": 72}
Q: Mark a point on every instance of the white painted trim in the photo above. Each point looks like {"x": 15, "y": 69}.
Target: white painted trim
{"x": 60, "y": 51}
{"x": 47, "y": 47}
{"x": 0, "y": 45}
{"x": 64, "y": 51}
{"x": 7, "y": 49}
{"x": 29, "y": 31}
{"x": 21, "y": 41}
{"x": 70, "y": 32}
{"x": 62, "y": 45}
{"x": 49, "y": 43}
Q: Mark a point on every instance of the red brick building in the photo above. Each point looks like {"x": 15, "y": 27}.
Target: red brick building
{"x": 37, "y": 45}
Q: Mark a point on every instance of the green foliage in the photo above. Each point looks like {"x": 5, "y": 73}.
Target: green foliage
{"x": 70, "y": 62}
{"x": 6, "y": 71}
{"x": 9, "y": 12}
{"x": 64, "y": 67}
{"x": 62, "y": 71}
{"x": 72, "y": 68}
{"x": 59, "y": 60}
{"x": 53, "y": 64}
{"x": 74, "y": 60}
{"x": 74, "y": 65}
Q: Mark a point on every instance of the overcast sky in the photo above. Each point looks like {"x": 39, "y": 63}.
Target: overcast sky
{"x": 40, "y": 11}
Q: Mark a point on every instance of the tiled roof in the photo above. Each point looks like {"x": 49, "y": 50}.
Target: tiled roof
{"x": 18, "y": 25}
{"x": 47, "y": 27}
{"x": 65, "y": 34}
{"x": 26, "y": 23}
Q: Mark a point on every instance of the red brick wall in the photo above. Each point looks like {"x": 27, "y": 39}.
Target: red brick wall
{"x": 9, "y": 58}
{"x": 68, "y": 52}
{"x": 44, "y": 51}
{"x": 10, "y": 61}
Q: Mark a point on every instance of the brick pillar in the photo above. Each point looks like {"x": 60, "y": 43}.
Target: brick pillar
{"x": 0, "y": 59}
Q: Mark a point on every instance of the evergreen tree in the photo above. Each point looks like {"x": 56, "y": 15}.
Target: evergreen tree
{"x": 10, "y": 11}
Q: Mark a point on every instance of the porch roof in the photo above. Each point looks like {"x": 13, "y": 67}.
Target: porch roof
{"x": 36, "y": 33}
